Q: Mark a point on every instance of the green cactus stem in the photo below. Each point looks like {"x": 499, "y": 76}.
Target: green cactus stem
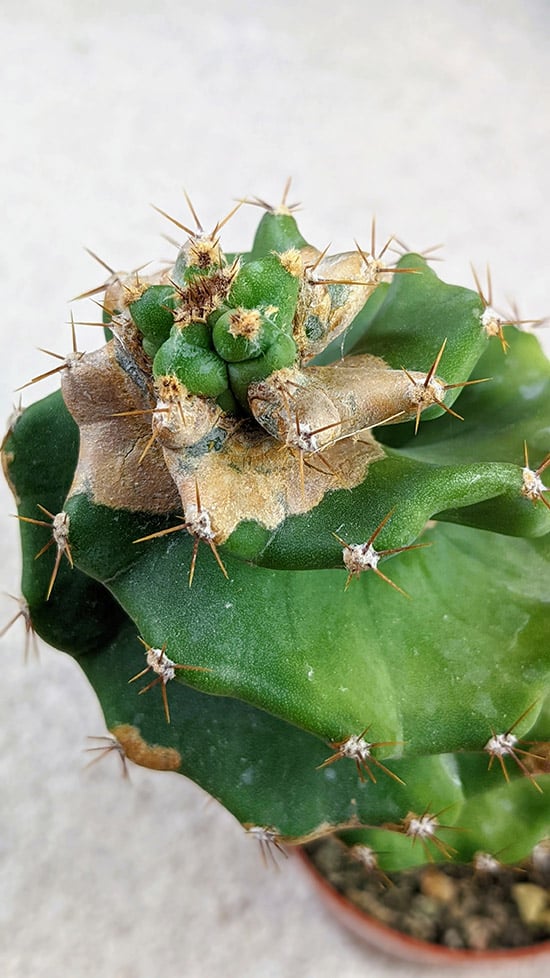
{"x": 291, "y": 520}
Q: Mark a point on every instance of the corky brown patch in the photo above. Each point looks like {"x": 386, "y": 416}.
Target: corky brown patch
{"x": 7, "y": 459}
{"x": 111, "y": 469}
{"x": 254, "y": 477}
{"x": 333, "y": 307}
{"x": 153, "y": 756}
{"x": 335, "y": 401}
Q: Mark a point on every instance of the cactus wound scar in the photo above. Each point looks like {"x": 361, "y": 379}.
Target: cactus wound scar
{"x": 153, "y": 756}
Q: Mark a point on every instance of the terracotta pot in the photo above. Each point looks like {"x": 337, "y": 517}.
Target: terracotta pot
{"x": 398, "y": 944}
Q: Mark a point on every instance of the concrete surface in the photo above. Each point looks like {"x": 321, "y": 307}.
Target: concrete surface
{"x": 432, "y": 115}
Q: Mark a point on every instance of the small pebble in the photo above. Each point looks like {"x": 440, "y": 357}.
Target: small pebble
{"x": 531, "y": 900}
{"x": 480, "y": 933}
{"x": 371, "y": 903}
{"x": 437, "y": 885}
{"x": 422, "y": 927}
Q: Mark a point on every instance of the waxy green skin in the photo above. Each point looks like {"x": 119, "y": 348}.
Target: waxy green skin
{"x": 153, "y": 315}
{"x": 295, "y": 661}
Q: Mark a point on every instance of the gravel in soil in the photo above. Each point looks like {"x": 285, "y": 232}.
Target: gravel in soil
{"x": 448, "y": 904}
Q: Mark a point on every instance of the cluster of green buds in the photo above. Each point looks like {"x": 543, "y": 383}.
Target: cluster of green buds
{"x": 294, "y": 411}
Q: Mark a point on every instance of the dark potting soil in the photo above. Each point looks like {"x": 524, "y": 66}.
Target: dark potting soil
{"x": 448, "y": 904}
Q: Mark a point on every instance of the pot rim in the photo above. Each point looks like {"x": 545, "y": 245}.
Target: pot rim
{"x": 391, "y": 941}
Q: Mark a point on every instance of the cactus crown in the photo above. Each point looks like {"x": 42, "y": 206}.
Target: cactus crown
{"x": 294, "y": 413}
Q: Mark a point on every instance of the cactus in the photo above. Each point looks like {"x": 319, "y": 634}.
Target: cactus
{"x": 262, "y": 505}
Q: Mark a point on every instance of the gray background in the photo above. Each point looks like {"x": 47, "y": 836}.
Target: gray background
{"x": 432, "y": 115}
